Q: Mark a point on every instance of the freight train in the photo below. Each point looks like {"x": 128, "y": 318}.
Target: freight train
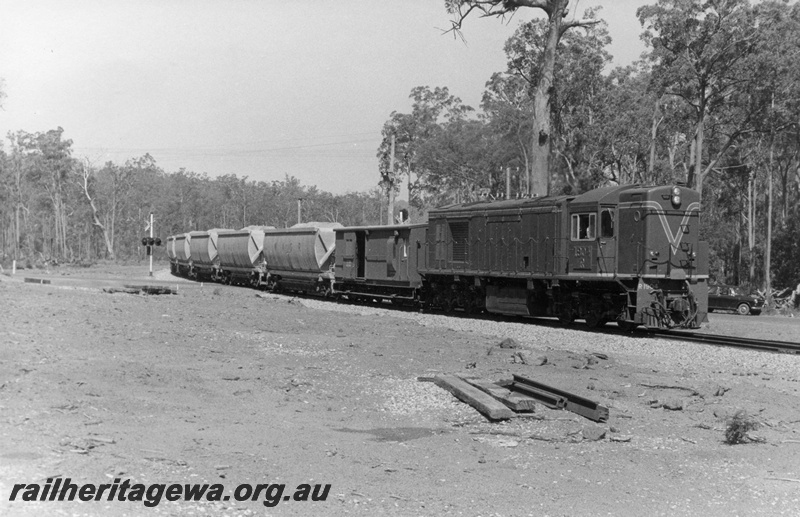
{"x": 628, "y": 254}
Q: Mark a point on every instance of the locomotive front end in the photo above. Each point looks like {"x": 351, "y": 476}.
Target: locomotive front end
{"x": 660, "y": 248}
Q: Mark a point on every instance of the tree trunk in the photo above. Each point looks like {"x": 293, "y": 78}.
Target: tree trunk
{"x": 541, "y": 145}
{"x": 653, "y": 137}
{"x": 696, "y": 172}
{"x": 390, "y": 188}
{"x": 751, "y": 232}
{"x": 95, "y": 217}
{"x": 768, "y": 245}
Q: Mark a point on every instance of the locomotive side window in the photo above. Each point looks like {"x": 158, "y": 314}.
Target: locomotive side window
{"x": 583, "y": 227}
{"x": 607, "y": 222}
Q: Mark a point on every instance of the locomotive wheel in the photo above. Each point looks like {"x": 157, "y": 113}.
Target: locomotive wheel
{"x": 566, "y": 315}
{"x": 472, "y": 305}
{"x": 595, "y": 319}
{"x": 595, "y": 315}
{"x": 566, "y": 319}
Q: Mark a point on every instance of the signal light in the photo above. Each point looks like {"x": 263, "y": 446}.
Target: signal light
{"x": 676, "y": 197}
{"x": 150, "y": 241}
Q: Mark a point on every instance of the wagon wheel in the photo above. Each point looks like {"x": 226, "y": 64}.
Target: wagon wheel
{"x": 447, "y": 303}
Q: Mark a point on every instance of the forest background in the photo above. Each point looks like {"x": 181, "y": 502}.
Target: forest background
{"x": 713, "y": 103}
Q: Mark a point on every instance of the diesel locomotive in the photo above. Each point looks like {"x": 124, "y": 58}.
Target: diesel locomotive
{"x": 628, "y": 254}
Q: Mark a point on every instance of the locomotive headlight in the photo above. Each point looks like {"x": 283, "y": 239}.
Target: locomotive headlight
{"x": 676, "y": 197}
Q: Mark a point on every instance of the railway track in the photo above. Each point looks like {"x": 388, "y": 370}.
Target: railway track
{"x": 786, "y": 347}
{"x": 767, "y": 345}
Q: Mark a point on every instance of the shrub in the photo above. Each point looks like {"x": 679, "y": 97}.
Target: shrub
{"x": 738, "y": 426}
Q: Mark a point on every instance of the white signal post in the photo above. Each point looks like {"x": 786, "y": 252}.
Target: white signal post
{"x": 151, "y": 248}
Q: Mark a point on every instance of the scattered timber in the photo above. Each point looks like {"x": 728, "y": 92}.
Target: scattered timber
{"x": 36, "y": 280}
{"x": 516, "y": 401}
{"x": 153, "y": 289}
{"x": 141, "y": 289}
{"x": 483, "y": 402}
{"x": 574, "y": 403}
{"x": 505, "y": 399}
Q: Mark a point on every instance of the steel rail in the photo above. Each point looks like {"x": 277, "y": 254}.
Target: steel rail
{"x": 769, "y": 345}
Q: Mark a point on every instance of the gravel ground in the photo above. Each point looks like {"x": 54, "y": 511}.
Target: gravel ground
{"x": 232, "y": 385}
{"x": 672, "y": 355}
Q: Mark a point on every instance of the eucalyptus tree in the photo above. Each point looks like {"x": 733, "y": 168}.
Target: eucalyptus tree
{"x": 44, "y": 165}
{"x": 507, "y": 109}
{"x": 557, "y": 25}
{"x": 699, "y": 50}
{"x": 774, "y": 149}
{"x": 462, "y": 162}
{"x": 430, "y": 108}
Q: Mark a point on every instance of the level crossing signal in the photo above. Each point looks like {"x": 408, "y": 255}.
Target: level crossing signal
{"x": 150, "y": 242}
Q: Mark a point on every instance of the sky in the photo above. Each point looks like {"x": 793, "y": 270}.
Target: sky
{"x": 258, "y": 88}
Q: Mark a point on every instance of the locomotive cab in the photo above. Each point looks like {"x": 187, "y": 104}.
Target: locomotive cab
{"x": 592, "y": 244}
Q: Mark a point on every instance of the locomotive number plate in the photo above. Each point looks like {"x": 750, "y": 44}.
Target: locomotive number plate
{"x": 582, "y": 257}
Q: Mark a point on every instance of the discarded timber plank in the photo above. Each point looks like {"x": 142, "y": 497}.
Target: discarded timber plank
{"x": 484, "y": 403}
{"x": 515, "y": 401}
{"x": 29, "y": 280}
{"x": 574, "y": 403}
{"x": 152, "y": 289}
{"x": 126, "y": 290}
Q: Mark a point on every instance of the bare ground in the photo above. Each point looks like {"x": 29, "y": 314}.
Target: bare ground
{"x": 220, "y": 385}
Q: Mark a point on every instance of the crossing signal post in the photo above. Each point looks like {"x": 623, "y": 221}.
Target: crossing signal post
{"x": 151, "y": 241}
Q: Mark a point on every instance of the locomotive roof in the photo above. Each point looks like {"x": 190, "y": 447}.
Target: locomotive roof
{"x": 380, "y": 227}
{"x": 504, "y": 204}
{"x": 608, "y": 194}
